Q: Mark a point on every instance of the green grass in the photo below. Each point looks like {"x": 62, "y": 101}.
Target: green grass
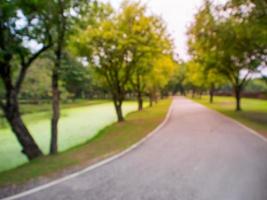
{"x": 253, "y": 114}
{"x": 79, "y": 123}
{"x": 112, "y": 139}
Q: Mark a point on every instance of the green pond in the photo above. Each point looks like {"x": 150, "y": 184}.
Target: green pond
{"x": 76, "y": 126}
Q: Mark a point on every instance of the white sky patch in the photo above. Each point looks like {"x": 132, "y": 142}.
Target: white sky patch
{"x": 33, "y": 45}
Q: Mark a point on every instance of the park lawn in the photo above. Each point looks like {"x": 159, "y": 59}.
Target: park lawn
{"x": 253, "y": 114}
{"x": 109, "y": 141}
{"x": 77, "y": 125}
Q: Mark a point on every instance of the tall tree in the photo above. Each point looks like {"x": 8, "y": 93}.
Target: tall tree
{"x": 222, "y": 39}
{"x": 195, "y": 77}
{"x": 65, "y": 13}
{"x": 213, "y": 81}
{"x": 112, "y": 46}
{"x": 121, "y": 46}
{"x": 152, "y": 41}
{"x": 162, "y": 72}
{"x": 24, "y": 33}
{"x": 204, "y": 55}
{"x": 61, "y": 24}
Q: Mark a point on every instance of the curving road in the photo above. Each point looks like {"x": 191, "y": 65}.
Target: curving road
{"x": 197, "y": 155}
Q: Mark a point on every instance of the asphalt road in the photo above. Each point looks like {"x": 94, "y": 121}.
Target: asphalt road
{"x": 197, "y": 155}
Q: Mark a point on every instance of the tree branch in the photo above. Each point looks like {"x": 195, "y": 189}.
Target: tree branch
{"x": 25, "y": 65}
{"x": 244, "y": 81}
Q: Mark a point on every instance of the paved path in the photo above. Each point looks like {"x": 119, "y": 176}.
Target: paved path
{"x": 197, "y": 155}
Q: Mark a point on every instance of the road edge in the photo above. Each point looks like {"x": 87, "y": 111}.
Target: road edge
{"x": 252, "y": 131}
{"x": 94, "y": 166}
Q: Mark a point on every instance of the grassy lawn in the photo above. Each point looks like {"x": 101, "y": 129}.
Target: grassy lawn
{"x": 253, "y": 115}
{"x": 79, "y": 122}
{"x": 111, "y": 140}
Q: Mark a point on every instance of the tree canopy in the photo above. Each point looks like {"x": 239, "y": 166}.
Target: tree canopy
{"x": 121, "y": 46}
{"x": 230, "y": 40}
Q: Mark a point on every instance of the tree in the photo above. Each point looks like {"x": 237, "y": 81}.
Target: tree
{"x": 222, "y": 39}
{"x": 102, "y": 45}
{"x": 201, "y": 34}
{"x": 237, "y": 56}
{"x": 149, "y": 40}
{"x": 162, "y": 72}
{"x": 21, "y": 23}
{"x": 76, "y": 78}
{"x": 176, "y": 83}
{"x": 114, "y": 45}
{"x": 60, "y": 12}
{"x": 194, "y": 77}
{"x": 152, "y": 40}
{"x": 213, "y": 82}
{"x": 65, "y": 13}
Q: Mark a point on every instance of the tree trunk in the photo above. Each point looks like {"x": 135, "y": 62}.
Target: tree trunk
{"x": 60, "y": 40}
{"x": 139, "y": 92}
{"x": 140, "y": 101}
{"x": 162, "y": 95}
{"x": 193, "y": 93}
{"x": 238, "y": 98}
{"x": 55, "y": 112}
{"x": 211, "y": 92}
{"x": 211, "y": 96}
{"x": 155, "y": 97}
{"x": 11, "y": 110}
{"x": 182, "y": 90}
{"x": 118, "y": 108}
{"x": 200, "y": 94}
{"x": 150, "y": 100}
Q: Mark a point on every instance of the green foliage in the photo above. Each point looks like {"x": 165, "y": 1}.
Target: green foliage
{"x": 203, "y": 69}
{"x": 154, "y": 63}
{"x": 104, "y": 46}
{"x": 37, "y": 83}
{"x": 21, "y": 22}
{"x": 195, "y": 76}
{"x": 162, "y": 71}
{"x": 256, "y": 85}
{"x": 76, "y": 78}
{"x": 230, "y": 40}
{"x": 122, "y": 46}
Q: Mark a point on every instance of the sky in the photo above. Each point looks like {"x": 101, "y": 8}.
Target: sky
{"x": 178, "y": 14}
